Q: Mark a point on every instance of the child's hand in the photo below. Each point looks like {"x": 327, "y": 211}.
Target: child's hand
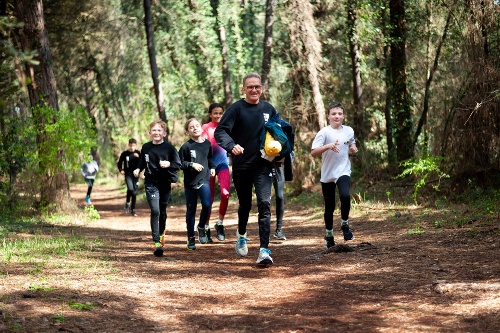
{"x": 164, "y": 164}
{"x": 334, "y": 146}
{"x": 353, "y": 149}
{"x": 197, "y": 166}
{"x": 136, "y": 173}
{"x": 212, "y": 172}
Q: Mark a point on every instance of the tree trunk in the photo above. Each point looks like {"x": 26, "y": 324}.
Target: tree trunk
{"x": 226, "y": 74}
{"x": 307, "y": 48}
{"x": 148, "y": 24}
{"x": 425, "y": 111}
{"x": 357, "y": 86}
{"x": 268, "y": 44}
{"x": 42, "y": 93}
{"x": 400, "y": 96}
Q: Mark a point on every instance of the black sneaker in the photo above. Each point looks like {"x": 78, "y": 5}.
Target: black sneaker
{"x": 158, "y": 250}
{"x": 347, "y": 232}
{"x": 191, "y": 243}
{"x": 220, "y": 232}
{"x": 133, "y": 213}
{"x": 126, "y": 208}
{"x": 209, "y": 237}
{"x": 202, "y": 235}
{"x": 329, "y": 242}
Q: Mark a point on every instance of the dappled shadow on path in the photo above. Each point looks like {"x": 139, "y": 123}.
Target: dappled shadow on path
{"x": 386, "y": 287}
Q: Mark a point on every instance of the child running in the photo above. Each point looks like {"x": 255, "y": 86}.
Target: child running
{"x": 197, "y": 164}
{"x": 221, "y": 161}
{"x": 334, "y": 143}
{"x": 160, "y": 161}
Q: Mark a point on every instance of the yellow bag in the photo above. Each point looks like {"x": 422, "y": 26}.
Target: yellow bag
{"x": 271, "y": 147}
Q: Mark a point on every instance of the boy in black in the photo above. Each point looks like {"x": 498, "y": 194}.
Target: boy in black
{"x": 160, "y": 161}
{"x": 196, "y": 158}
{"x": 128, "y": 162}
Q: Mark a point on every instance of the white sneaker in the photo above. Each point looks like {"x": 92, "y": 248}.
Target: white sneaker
{"x": 241, "y": 244}
{"x": 264, "y": 259}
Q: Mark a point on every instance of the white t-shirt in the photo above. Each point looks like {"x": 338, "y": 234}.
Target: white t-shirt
{"x": 334, "y": 164}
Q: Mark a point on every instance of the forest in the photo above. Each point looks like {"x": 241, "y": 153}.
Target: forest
{"x": 420, "y": 82}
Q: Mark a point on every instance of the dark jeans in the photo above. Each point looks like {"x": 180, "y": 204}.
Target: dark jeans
{"x": 279, "y": 186}
{"x": 261, "y": 178}
{"x": 192, "y": 201}
{"x": 132, "y": 189}
{"x": 158, "y": 194}
{"x": 343, "y": 184}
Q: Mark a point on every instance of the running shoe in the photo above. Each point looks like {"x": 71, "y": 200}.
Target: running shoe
{"x": 191, "y": 243}
{"x": 241, "y": 244}
{"x": 347, "y": 232}
{"x": 279, "y": 235}
{"x": 264, "y": 259}
{"x": 202, "y": 235}
{"x": 220, "y": 232}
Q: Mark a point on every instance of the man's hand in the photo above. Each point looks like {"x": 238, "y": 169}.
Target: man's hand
{"x": 237, "y": 150}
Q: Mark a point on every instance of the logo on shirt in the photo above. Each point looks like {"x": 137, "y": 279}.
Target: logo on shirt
{"x": 266, "y": 117}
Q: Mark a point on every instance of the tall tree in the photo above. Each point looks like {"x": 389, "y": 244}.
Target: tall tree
{"x": 354, "y": 52}
{"x": 400, "y": 96}
{"x": 307, "y": 48}
{"x": 430, "y": 77}
{"x": 226, "y": 73}
{"x": 148, "y": 24}
{"x": 42, "y": 93}
{"x": 268, "y": 44}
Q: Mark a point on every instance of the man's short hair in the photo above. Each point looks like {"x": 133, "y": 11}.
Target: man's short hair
{"x": 249, "y": 75}
{"x": 132, "y": 140}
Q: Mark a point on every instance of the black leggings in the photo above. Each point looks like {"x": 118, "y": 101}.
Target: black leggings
{"x": 343, "y": 184}
{"x": 90, "y": 184}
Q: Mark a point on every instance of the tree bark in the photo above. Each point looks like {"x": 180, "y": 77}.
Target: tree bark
{"x": 357, "y": 86}
{"x": 148, "y": 24}
{"x": 42, "y": 93}
{"x": 267, "y": 46}
{"x": 226, "y": 73}
{"x": 307, "y": 48}
{"x": 401, "y": 98}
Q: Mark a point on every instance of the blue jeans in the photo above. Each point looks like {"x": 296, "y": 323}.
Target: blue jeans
{"x": 158, "y": 194}
{"x": 192, "y": 201}
{"x": 262, "y": 179}
{"x": 343, "y": 184}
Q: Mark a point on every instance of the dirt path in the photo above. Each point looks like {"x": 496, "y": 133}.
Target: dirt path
{"x": 439, "y": 281}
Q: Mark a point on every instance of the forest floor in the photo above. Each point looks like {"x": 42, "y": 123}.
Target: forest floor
{"x": 402, "y": 275}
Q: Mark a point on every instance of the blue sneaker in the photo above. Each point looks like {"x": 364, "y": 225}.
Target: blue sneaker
{"x": 87, "y": 200}
{"x": 264, "y": 259}
{"x": 241, "y": 244}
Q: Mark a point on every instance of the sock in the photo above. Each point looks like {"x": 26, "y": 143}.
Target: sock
{"x": 344, "y": 222}
{"x": 329, "y": 233}
{"x": 207, "y": 227}
{"x": 157, "y": 245}
{"x": 220, "y": 222}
